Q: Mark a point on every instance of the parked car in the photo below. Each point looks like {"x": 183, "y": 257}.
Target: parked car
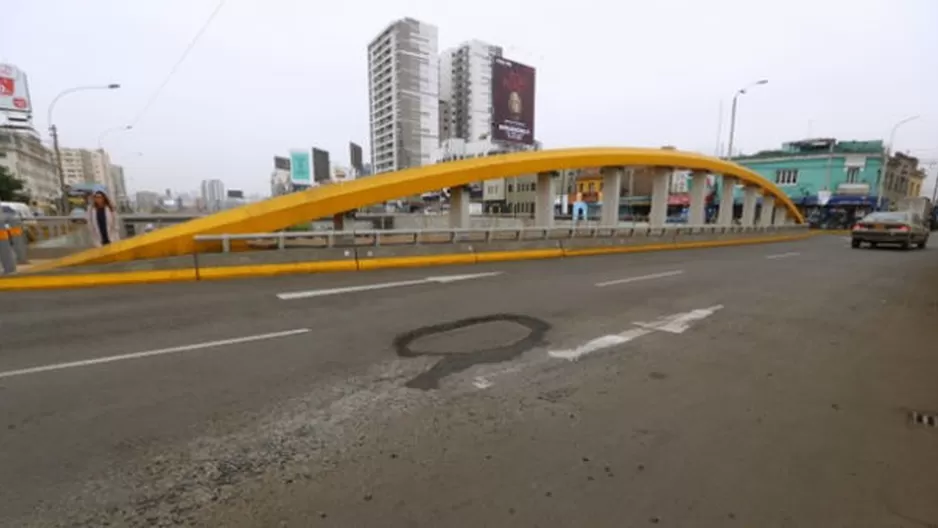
{"x": 903, "y": 228}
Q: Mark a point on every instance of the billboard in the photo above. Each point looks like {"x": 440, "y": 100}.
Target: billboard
{"x": 14, "y": 91}
{"x": 321, "y": 170}
{"x": 281, "y": 163}
{"x": 236, "y": 194}
{"x": 300, "y": 165}
{"x": 512, "y": 101}
{"x": 355, "y": 158}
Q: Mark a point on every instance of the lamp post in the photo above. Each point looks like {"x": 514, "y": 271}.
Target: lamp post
{"x": 741, "y": 91}
{"x": 63, "y": 203}
{"x": 887, "y": 148}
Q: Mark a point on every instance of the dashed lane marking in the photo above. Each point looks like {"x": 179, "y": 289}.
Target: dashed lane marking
{"x": 639, "y": 278}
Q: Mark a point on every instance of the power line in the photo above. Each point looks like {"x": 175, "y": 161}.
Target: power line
{"x": 182, "y": 58}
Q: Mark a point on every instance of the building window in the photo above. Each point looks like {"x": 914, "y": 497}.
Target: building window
{"x": 511, "y": 188}
{"x": 853, "y": 175}
{"x": 786, "y": 176}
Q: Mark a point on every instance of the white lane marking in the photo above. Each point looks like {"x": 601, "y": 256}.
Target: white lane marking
{"x": 443, "y": 279}
{"x": 598, "y": 344}
{"x": 673, "y": 324}
{"x": 679, "y": 323}
{"x": 783, "y": 255}
{"x": 482, "y": 383}
{"x": 148, "y": 353}
{"x": 640, "y": 278}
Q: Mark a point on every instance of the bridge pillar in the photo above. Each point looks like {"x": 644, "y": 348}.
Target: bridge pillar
{"x": 768, "y": 210}
{"x": 459, "y": 207}
{"x": 698, "y": 199}
{"x": 544, "y": 204}
{"x": 659, "y": 197}
{"x": 612, "y": 184}
{"x": 725, "y": 216}
{"x": 750, "y": 200}
{"x": 780, "y": 215}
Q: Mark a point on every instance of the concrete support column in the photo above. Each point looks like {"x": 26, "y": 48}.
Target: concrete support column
{"x": 459, "y": 207}
{"x": 612, "y": 183}
{"x": 544, "y": 203}
{"x": 768, "y": 211}
{"x": 660, "y": 189}
{"x": 698, "y": 199}
{"x": 780, "y": 215}
{"x": 750, "y": 200}
{"x": 728, "y": 187}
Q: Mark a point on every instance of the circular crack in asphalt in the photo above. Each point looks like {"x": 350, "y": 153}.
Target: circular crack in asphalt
{"x": 453, "y": 363}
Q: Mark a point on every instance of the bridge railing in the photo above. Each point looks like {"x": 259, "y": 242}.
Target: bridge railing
{"x": 281, "y": 241}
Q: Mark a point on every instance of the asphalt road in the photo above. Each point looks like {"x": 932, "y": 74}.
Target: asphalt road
{"x": 765, "y": 386}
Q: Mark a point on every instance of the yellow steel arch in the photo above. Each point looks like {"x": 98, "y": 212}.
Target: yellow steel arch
{"x": 320, "y": 202}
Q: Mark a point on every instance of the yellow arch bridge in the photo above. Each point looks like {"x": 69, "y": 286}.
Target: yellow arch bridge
{"x": 283, "y": 211}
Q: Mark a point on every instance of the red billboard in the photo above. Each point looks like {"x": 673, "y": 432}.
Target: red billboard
{"x": 512, "y": 101}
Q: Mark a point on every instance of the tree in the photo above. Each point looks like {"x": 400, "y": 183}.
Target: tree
{"x": 11, "y": 188}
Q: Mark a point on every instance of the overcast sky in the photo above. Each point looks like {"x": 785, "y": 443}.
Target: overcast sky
{"x": 272, "y": 75}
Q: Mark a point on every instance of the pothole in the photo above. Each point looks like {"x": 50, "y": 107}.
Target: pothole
{"x": 467, "y": 342}
{"x": 471, "y": 339}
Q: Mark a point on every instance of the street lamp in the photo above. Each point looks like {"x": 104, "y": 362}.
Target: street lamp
{"x": 63, "y": 204}
{"x": 741, "y": 91}
{"x": 887, "y": 148}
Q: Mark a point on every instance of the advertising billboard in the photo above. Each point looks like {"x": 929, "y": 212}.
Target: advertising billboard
{"x": 355, "y": 158}
{"x": 321, "y": 169}
{"x": 300, "y": 167}
{"x": 512, "y": 101}
{"x": 236, "y": 194}
{"x": 14, "y": 91}
{"x": 281, "y": 163}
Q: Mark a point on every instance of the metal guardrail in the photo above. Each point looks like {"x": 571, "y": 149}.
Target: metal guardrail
{"x": 409, "y": 237}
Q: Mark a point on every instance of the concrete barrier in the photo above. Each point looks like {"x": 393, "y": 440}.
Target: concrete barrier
{"x": 382, "y": 257}
{"x": 591, "y": 241}
{"x": 518, "y": 250}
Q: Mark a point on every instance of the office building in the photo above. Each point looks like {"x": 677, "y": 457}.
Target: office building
{"x": 213, "y": 194}
{"x": 24, "y": 155}
{"x": 466, "y": 91}
{"x": 403, "y": 90}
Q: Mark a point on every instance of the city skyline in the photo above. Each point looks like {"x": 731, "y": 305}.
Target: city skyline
{"x": 584, "y": 98}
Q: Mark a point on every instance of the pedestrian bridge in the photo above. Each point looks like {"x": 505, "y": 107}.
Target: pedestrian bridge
{"x": 283, "y": 211}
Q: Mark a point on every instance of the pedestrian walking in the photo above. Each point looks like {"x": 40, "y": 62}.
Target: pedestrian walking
{"x": 102, "y": 220}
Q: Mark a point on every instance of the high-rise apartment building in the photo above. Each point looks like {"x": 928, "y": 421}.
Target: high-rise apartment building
{"x": 213, "y": 194}
{"x": 87, "y": 166}
{"x": 403, "y": 93}
{"x": 24, "y": 155}
{"x": 466, "y": 91}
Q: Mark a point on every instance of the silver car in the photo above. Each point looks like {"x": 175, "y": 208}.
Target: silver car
{"x": 902, "y": 228}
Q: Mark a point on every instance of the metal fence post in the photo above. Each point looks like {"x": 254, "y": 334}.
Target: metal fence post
{"x": 7, "y": 257}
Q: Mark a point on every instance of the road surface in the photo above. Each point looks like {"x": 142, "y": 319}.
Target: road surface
{"x": 767, "y": 386}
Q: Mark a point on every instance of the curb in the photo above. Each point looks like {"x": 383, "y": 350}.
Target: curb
{"x": 51, "y": 282}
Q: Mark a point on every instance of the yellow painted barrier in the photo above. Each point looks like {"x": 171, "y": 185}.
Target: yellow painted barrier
{"x": 521, "y": 254}
{"x": 52, "y": 282}
{"x": 37, "y": 282}
{"x": 418, "y": 261}
{"x": 326, "y": 201}
{"x": 268, "y": 270}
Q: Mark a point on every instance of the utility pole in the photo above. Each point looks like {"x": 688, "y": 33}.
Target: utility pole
{"x": 63, "y": 200}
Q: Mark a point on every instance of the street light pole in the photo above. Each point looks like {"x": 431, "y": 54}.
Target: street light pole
{"x": 741, "y": 91}
{"x": 887, "y": 152}
{"x": 54, "y": 131}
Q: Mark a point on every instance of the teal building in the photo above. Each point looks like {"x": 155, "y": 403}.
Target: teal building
{"x": 822, "y": 172}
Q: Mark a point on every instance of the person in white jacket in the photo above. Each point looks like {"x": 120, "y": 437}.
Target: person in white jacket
{"x": 102, "y": 220}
